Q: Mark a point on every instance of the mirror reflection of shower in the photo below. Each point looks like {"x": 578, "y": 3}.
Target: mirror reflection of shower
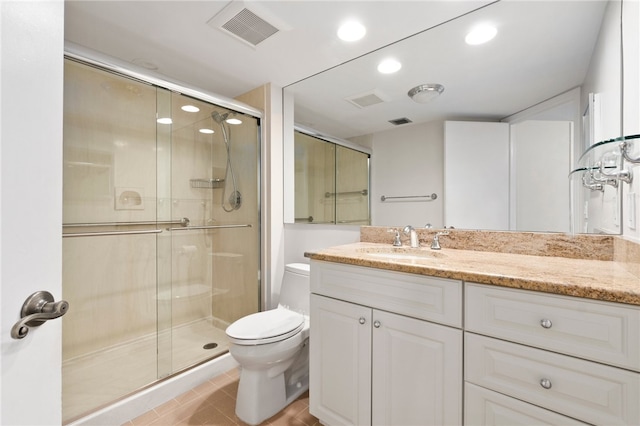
{"x": 235, "y": 199}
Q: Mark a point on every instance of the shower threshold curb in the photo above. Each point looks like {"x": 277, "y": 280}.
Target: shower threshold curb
{"x": 147, "y": 399}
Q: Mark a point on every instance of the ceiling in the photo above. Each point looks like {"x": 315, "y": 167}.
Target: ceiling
{"x": 175, "y": 36}
{"x": 543, "y": 47}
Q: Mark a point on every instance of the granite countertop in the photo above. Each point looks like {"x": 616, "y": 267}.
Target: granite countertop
{"x": 593, "y": 279}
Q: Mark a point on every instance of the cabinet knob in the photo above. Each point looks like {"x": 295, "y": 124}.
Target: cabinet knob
{"x": 362, "y": 320}
{"x": 546, "y": 323}
{"x": 545, "y": 383}
{"x": 376, "y": 324}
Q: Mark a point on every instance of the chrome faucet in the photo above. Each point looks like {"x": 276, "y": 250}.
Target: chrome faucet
{"x": 435, "y": 244}
{"x": 410, "y": 230}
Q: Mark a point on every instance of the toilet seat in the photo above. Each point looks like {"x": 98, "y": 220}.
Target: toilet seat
{"x": 265, "y": 327}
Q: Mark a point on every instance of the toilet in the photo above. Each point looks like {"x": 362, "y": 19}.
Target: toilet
{"x": 272, "y": 348}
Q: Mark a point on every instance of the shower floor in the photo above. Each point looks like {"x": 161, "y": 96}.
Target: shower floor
{"x": 95, "y": 380}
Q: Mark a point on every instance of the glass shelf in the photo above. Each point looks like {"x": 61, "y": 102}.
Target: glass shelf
{"x": 601, "y": 147}
{"x": 605, "y": 143}
{"x": 584, "y": 169}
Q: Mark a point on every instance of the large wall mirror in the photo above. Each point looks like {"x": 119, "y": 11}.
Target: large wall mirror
{"x": 543, "y": 70}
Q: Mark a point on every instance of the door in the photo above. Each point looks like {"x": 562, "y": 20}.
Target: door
{"x": 540, "y": 164}
{"x": 340, "y": 363}
{"x": 476, "y": 175}
{"x": 417, "y": 372}
{"x": 31, "y": 213}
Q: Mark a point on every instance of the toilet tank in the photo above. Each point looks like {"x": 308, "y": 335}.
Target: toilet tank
{"x": 295, "y": 289}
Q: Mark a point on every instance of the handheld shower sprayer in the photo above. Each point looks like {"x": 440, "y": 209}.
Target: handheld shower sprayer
{"x": 219, "y": 118}
{"x": 235, "y": 199}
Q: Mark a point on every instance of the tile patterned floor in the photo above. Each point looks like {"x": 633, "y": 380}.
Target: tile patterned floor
{"x": 213, "y": 403}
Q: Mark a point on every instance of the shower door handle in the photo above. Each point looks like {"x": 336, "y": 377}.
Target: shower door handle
{"x": 36, "y": 310}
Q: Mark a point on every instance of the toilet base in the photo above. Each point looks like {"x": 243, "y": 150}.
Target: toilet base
{"x": 261, "y": 396}
{"x": 254, "y": 407}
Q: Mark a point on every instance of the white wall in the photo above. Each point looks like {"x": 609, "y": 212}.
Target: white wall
{"x": 300, "y": 238}
{"x": 408, "y": 160}
{"x": 273, "y": 196}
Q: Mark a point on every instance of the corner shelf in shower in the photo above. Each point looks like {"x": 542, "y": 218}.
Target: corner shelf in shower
{"x": 207, "y": 183}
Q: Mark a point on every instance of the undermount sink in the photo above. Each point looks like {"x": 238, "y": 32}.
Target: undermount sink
{"x": 401, "y": 253}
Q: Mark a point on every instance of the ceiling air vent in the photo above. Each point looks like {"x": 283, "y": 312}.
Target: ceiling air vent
{"x": 243, "y": 23}
{"x": 367, "y": 99}
{"x": 399, "y": 121}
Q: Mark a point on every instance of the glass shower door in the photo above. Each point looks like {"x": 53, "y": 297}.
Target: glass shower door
{"x": 215, "y": 260}
{"x": 161, "y": 233}
{"x": 109, "y": 249}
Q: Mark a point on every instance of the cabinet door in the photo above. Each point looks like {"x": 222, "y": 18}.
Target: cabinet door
{"x": 417, "y": 372}
{"x": 340, "y": 362}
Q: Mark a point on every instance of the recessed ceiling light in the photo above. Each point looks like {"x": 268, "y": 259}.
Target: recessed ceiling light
{"x": 389, "y": 66}
{"x": 190, "y": 108}
{"x": 481, "y": 34}
{"x": 233, "y": 121}
{"x": 165, "y": 120}
{"x": 206, "y": 131}
{"x": 351, "y": 31}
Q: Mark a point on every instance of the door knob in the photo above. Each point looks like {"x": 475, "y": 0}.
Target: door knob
{"x": 36, "y": 310}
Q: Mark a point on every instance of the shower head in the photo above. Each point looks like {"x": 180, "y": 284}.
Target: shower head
{"x": 219, "y": 118}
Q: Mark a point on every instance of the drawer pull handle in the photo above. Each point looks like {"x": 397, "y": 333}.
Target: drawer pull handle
{"x": 546, "y": 323}
{"x": 376, "y": 324}
{"x": 362, "y": 320}
{"x": 545, "y": 383}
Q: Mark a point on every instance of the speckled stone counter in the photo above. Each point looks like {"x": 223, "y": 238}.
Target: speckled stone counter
{"x": 605, "y": 280}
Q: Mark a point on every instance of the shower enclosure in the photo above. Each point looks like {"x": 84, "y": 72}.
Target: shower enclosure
{"x": 161, "y": 232}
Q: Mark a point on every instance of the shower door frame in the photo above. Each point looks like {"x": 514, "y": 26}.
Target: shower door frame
{"x": 109, "y": 64}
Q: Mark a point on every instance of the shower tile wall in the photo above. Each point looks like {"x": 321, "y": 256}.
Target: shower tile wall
{"x": 149, "y": 301}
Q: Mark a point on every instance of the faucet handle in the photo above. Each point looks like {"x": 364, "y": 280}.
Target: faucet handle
{"x": 396, "y": 240}
{"x": 435, "y": 244}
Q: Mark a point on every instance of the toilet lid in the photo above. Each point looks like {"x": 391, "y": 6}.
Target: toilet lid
{"x": 266, "y": 327}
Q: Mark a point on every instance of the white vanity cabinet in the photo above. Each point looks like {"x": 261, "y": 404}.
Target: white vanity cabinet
{"x": 379, "y": 352}
{"x": 559, "y": 359}
{"x": 386, "y": 348}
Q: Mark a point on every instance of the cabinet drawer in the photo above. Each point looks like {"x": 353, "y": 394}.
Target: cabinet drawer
{"x": 434, "y": 299}
{"x": 483, "y": 407}
{"x": 599, "y": 331}
{"x": 584, "y": 390}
